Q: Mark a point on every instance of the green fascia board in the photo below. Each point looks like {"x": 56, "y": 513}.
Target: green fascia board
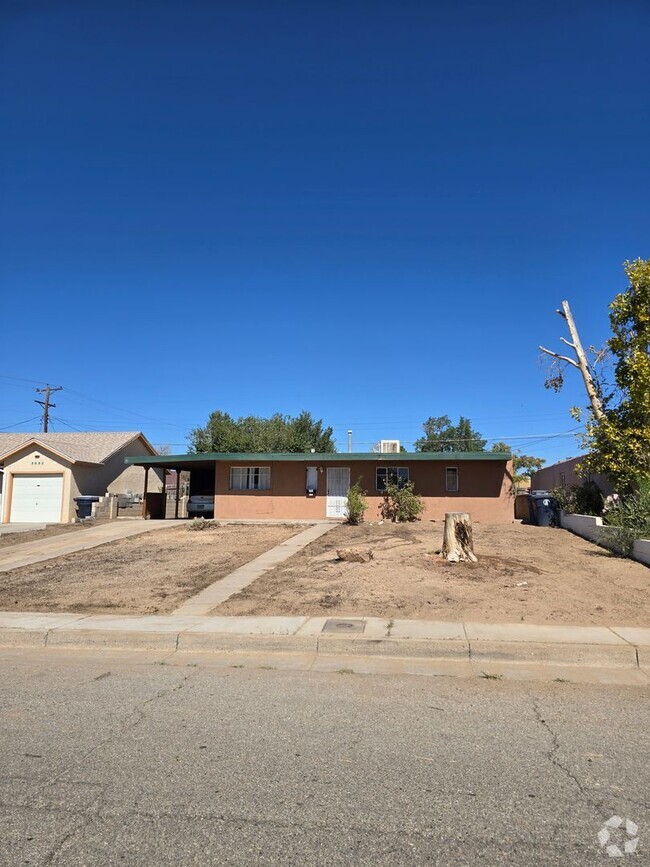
{"x": 311, "y": 457}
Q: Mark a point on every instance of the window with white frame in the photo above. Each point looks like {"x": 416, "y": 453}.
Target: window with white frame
{"x": 395, "y": 475}
{"x": 451, "y": 479}
{"x": 250, "y": 478}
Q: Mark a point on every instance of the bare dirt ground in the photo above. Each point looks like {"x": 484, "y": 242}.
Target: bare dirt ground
{"x": 9, "y": 539}
{"x": 530, "y": 574}
{"x": 148, "y": 574}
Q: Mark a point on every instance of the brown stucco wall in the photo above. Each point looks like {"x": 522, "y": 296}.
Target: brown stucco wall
{"x": 551, "y": 477}
{"x": 485, "y": 490}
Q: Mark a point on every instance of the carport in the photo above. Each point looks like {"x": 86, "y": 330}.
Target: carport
{"x": 154, "y": 504}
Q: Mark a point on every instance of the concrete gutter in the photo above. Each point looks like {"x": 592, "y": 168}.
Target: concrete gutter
{"x": 621, "y": 654}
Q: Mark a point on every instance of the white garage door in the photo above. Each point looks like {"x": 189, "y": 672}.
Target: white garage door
{"x": 37, "y": 498}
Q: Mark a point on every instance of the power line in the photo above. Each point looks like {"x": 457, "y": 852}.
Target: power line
{"x": 61, "y": 421}
{"x": 18, "y": 423}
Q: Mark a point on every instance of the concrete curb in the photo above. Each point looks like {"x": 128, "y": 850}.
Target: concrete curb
{"x": 463, "y": 647}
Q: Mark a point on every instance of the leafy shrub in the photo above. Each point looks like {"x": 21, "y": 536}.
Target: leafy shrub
{"x": 401, "y": 503}
{"x": 589, "y": 499}
{"x": 202, "y": 524}
{"x": 584, "y": 499}
{"x": 357, "y": 503}
{"x": 617, "y": 538}
{"x": 628, "y": 519}
{"x": 565, "y": 498}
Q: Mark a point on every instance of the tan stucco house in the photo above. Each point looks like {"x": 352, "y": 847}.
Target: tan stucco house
{"x": 42, "y": 473}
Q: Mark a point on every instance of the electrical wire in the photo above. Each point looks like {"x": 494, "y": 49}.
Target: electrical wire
{"x": 61, "y": 421}
{"x": 18, "y": 423}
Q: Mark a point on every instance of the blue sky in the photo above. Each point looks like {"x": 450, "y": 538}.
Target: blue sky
{"x": 368, "y": 210}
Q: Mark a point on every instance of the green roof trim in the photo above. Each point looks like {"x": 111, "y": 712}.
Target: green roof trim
{"x": 171, "y": 461}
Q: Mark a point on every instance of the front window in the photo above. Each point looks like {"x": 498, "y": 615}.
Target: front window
{"x": 250, "y": 478}
{"x": 451, "y": 479}
{"x": 396, "y": 475}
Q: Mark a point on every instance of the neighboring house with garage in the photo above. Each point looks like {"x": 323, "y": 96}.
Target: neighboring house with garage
{"x": 42, "y": 473}
{"x": 314, "y": 486}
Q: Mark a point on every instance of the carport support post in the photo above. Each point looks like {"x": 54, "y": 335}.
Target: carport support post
{"x": 164, "y": 494}
{"x": 144, "y": 496}
{"x": 178, "y": 491}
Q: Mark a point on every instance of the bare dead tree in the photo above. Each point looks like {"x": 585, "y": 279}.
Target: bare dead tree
{"x": 580, "y": 361}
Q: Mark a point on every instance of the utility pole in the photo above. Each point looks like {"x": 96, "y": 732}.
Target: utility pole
{"x": 47, "y": 391}
{"x": 580, "y": 361}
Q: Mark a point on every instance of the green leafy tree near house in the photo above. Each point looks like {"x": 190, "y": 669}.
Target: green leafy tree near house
{"x": 523, "y": 465}
{"x": 279, "y": 433}
{"x": 440, "y": 435}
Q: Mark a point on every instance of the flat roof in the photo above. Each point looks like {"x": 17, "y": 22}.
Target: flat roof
{"x": 205, "y": 459}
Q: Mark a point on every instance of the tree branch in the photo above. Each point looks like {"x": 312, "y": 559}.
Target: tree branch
{"x": 560, "y": 357}
{"x": 568, "y": 342}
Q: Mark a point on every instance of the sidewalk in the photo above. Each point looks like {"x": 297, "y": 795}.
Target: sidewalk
{"x": 26, "y": 553}
{"x": 596, "y": 654}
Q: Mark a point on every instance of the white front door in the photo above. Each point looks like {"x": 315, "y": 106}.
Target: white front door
{"x": 36, "y": 498}
{"x": 338, "y": 485}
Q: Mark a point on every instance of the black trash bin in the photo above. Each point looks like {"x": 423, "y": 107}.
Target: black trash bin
{"x": 545, "y": 510}
{"x": 85, "y": 506}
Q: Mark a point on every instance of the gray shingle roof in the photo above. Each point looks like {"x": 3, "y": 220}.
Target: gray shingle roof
{"x": 89, "y": 448}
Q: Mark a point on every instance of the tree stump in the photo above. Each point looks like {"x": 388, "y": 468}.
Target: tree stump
{"x": 352, "y": 556}
{"x": 458, "y": 541}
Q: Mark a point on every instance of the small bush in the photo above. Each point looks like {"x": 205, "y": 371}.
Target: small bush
{"x": 401, "y": 503}
{"x": 584, "y": 499}
{"x": 589, "y": 499}
{"x": 618, "y": 539}
{"x": 628, "y": 520}
{"x": 357, "y": 503}
{"x": 202, "y": 524}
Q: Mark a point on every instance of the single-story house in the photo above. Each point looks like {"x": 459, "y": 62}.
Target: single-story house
{"x": 42, "y": 473}
{"x": 563, "y": 475}
{"x": 290, "y": 486}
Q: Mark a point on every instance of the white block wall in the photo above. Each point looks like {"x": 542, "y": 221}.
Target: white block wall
{"x": 590, "y": 527}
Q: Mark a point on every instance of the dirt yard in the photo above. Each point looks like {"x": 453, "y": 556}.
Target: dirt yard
{"x": 9, "y": 539}
{"x": 531, "y": 574}
{"x": 148, "y": 574}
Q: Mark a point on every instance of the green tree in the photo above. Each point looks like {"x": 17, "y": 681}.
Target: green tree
{"x": 279, "y": 433}
{"x": 523, "y": 465}
{"x": 440, "y": 435}
{"x": 619, "y": 443}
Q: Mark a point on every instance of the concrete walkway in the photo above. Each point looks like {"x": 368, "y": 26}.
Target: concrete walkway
{"x": 26, "y": 553}
{"x": 595, "y": 654}
{"x": 7, "y": 529}
{"x": 225, "y": 587}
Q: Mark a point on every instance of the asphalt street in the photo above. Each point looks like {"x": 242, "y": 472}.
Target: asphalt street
{"x": 111, "y": 758}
